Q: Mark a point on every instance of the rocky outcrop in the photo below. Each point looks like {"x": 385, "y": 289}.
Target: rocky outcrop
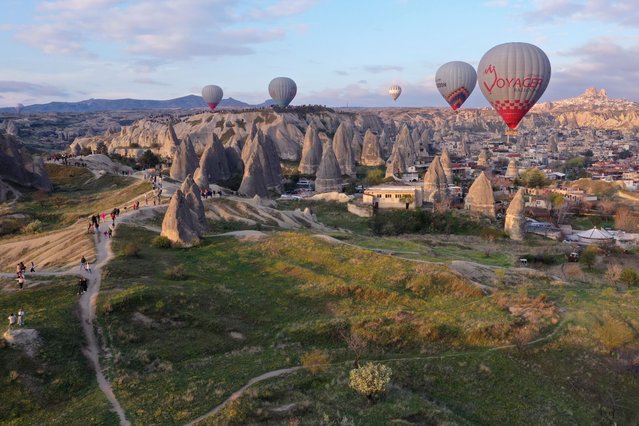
{"x": 200, "y": 178}
{"x": 435, "y": 183}
{"x": 233, "y": 151}
{"x": 385, "y": 143}
{"x": 253, "y": 180}
{"x": 343, "y": 149}
{"x": 483, "y": 161}
{"x": 404, "y": 143}
{"x": 311, "y": 152}
{"x": 464, "y": 149}
{"x": 552, "y": 144}
{"x": 515, "y": 224}
{"x": 447, "y": 165}
{"x": 396, "y": 164}
{"x": 184, "y": 161}
{"x": 329, "y": 175}
{"x": 260, "y": 148}
{"x": 371, "y": 151}
{"x": 181, "y": 223}
{"x": 512, "y": 171}
{"x": 480, "y": 198}
{"x": 19, "y": 167}
{"x": 357, "y": 145}
{"x": 191, "y": 192}
{"x": 214, "y": 161}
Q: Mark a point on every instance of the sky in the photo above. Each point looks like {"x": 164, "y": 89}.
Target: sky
{"x": 339, "y": 52}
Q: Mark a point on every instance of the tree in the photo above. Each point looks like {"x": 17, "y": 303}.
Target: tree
{"x": 534, "y": 178}
{"x": 315, "y": 361}
{"x": 149, "y": 159}
{"x": 629, "y": 277}
{"x": 558, "y": 206}
{"x": 370, "y": 380}
{"x": 607, "y": 207}
{"x": 356, "y": 343}
{"x": 101, "y": 148}
{"x": 589, "y": 256}
{"x": 613, "y": 273}
{"x": 626, "y": 220}
{"x": 374, "y": 177}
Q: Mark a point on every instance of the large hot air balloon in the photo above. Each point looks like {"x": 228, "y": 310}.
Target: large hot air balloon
{"x": 282, "y": 90}
{"x": 512, "y": 77}
{"x": 456, "y": 81}
{"x": 395, "y": 91}
{"x": 212, "y": 95}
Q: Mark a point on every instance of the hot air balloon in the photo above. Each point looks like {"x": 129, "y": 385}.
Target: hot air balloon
{"x": 212, "y": 95}
{"x": 282, "y": 90}
{"x": 512, "y": 77}
{"x": 456, "y": 81}
{"x": 395, "y": 91}
{"x": 19, "y": 108}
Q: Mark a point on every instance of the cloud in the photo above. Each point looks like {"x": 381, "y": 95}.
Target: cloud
{"x": 161, "y": 30}
{"x": 150, "y": 81}
{"x": 340, "y": 72}
{"x": 622, "y": 12}
{"x": 375, "y": 69}
{"x": 31, "y": 89}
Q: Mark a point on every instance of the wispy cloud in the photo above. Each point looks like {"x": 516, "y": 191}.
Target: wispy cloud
{"x": 150, "y": 81}
{"x": 375, "y": 69}
{"x": 341, "y": 72}
{"x": 31, "y": 89}
{"x": 622, "y": 12}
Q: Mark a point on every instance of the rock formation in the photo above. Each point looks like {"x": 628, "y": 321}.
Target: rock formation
{"x": 192, "y": 195}
{"x": 184, "y": 160}
{"x": 253, "y": 180}
{"x": 214, "y": 161}
{"x": 435, "y": 183}
{"x": 18, "y": 167}
{"x": 405, "y": 144}
{"x": 385, "y": 143}
{"x": 329, "y": 175}
{"x": 464, "y": 149}
{"x": 480, "y": 198}
{"x": 371, "y": 151}
{"x": 483, "y": 160}
{"x": 396, "y": 164}
{"x": 261, "y": 148}
{"x": 200, "y": 178}
{"x": 447, "y": 165}
{"x": 552, "y": 144}
{"x": 311, "y": 152}
{"x": 233, "y": 151}
{"x": 512, "y": 171}
{"x": 515, "y": 224}
{"x": 343, "y": 149}
{"x": 356, "y": 145}
{"x": 181, "y": 224}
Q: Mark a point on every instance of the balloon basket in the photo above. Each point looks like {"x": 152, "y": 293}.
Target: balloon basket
{"x": 512, "y": 132}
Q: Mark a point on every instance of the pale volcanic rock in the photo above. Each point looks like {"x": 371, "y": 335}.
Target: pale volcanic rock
{"x": 515, "y": 223}
{"x": 447, "y": 165}
{"x": 464, "y": 149}
{"x": 17, "y": 166}
{"x": 214, "y": 161}
{"x": 266, "y": 154}
{"x": 180, "y": 224}
{"x": 396, "y": 164}
{"x": 371, "y": 151}
{"x": 184, "y": 161}
{"x": 435, "y": 183}
{"x": 192, "y": 195}
{"x": 480, "y": 198}
{"x": 404, "y": 143}
{"x": 343, "y": 150}
{"x": 200, "y": 178}
{"x": 356, "y": 145}
{"x": 311, "y": 152}
{"x": 552, "y": 144}
{"x": 512, "y": 171}
{"x": 385, "y": 144}
{"x": 233, "y": 152}
{"x": 329, "y": 174}
{"x": 254, "y": 181}
{"x": 483, "y": 160}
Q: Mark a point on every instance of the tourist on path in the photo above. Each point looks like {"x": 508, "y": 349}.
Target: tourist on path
{"x": 83, "y": 261}
{"x": 12, "y": 321}
{"x": 32, "y": 267}
{"x": 87, "y": 267}
{"x": 20, "y": 281}
{"x": 21, "y": 317}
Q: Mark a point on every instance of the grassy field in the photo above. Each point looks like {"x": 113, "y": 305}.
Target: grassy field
{"x": 57, "y": 386}
{"x": 182, "y": 341}
{"x": 76, "y": 195}
{"x": 331, "y": 214}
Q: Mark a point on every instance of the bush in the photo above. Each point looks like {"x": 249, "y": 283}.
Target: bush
{"x": 131, "y": 250}
{"x": 162, "y": 242}
{"x": 32, "y": 227}
{"x": 176, "y": 273}
{"x": 589, "y": 256}
{"x": 370, "y": 380}
{"x": 613, "y": 333}
{"x": 629, "y": 277}
{"x": 315, "y": 361}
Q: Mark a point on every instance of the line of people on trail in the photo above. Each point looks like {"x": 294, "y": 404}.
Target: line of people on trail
{"x": 20, "y": 273}
{"x": 16, "y": 320}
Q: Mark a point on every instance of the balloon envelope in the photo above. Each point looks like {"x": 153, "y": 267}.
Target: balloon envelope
{"x": 395, "y": 91}
{"x": 456, "y": 81}
{"x": 512, "y": 77}
{"x": 212, "y": 95}
{"x": 282, "y": 90}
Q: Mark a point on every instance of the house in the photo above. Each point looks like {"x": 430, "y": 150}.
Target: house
{"x": 394, "y": 196}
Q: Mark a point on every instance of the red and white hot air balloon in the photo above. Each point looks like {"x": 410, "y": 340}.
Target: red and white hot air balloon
{"x": 512, "y": 77}
{"x": 212, "y": 95}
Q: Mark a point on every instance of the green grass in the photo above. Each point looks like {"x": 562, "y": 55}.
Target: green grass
{"x": 331, "y": 214}
{"x": 291, "y": 293}
{"x": 58, "y": 385}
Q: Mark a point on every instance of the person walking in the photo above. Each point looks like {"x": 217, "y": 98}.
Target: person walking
{"x": 83, "y": 261}
{"x": 87, "y": 267}
{"x": 32, "y": 267}
{"x": 21, "y": 317}
{"x": 21, "y": 281}
{"x": 12, "y": 321}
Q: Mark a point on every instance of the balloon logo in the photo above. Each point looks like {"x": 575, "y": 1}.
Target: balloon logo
{"x": 282, "y": 90}
{"x": 395, "y": 91}
{"x": 212, "y": 95}
{"x": 512, "y": 77}
{"x": 456, "y": 81}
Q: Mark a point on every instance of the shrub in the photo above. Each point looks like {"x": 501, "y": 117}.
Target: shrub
{"x": 629, "y": 277}
{"x": 613, "y": 273}
{"x": 315, "y": 361}
{"x": 589, "y": 256}
{"x": 161, "y": 242}
{"x": 176, "y": 273}
{"x": 32, "y": 227}
{"x": 613, "y": 333}
{"x": 370, "y": 380}
{"x": 131, "y": 250}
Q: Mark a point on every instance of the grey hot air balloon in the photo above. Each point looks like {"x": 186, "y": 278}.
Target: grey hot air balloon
{"x": 19, "y": 108}
{"x": 282, "y": 90}
{"x": 456, "y": 81}
{"x": 512, "y": 77}
{"x": 395, "y": 91}
{"x": 212, "y": 95}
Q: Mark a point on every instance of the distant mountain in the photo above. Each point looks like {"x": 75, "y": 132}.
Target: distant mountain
{"x": 97, "y": 105}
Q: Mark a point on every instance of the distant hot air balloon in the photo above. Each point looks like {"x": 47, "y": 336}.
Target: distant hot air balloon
{"x": 512, "y": 77}
{"x": 456, "y": 81}
{"x": 282, "y": 90}
{"x": 395, "y": 91}
{"x": 212, "y": 95}
{"x": 19, "y": 108}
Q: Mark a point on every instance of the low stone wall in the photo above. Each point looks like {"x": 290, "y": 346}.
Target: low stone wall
{"x": 360, "y": 210}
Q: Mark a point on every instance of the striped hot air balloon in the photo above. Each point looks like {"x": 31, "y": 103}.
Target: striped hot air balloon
{"x": 212, "y": 95}
{"x": 282, "y": 90}
{"x": 395, "y": 91}
{"x": 512, "y": 77}
{"x": 456, "y": 81}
